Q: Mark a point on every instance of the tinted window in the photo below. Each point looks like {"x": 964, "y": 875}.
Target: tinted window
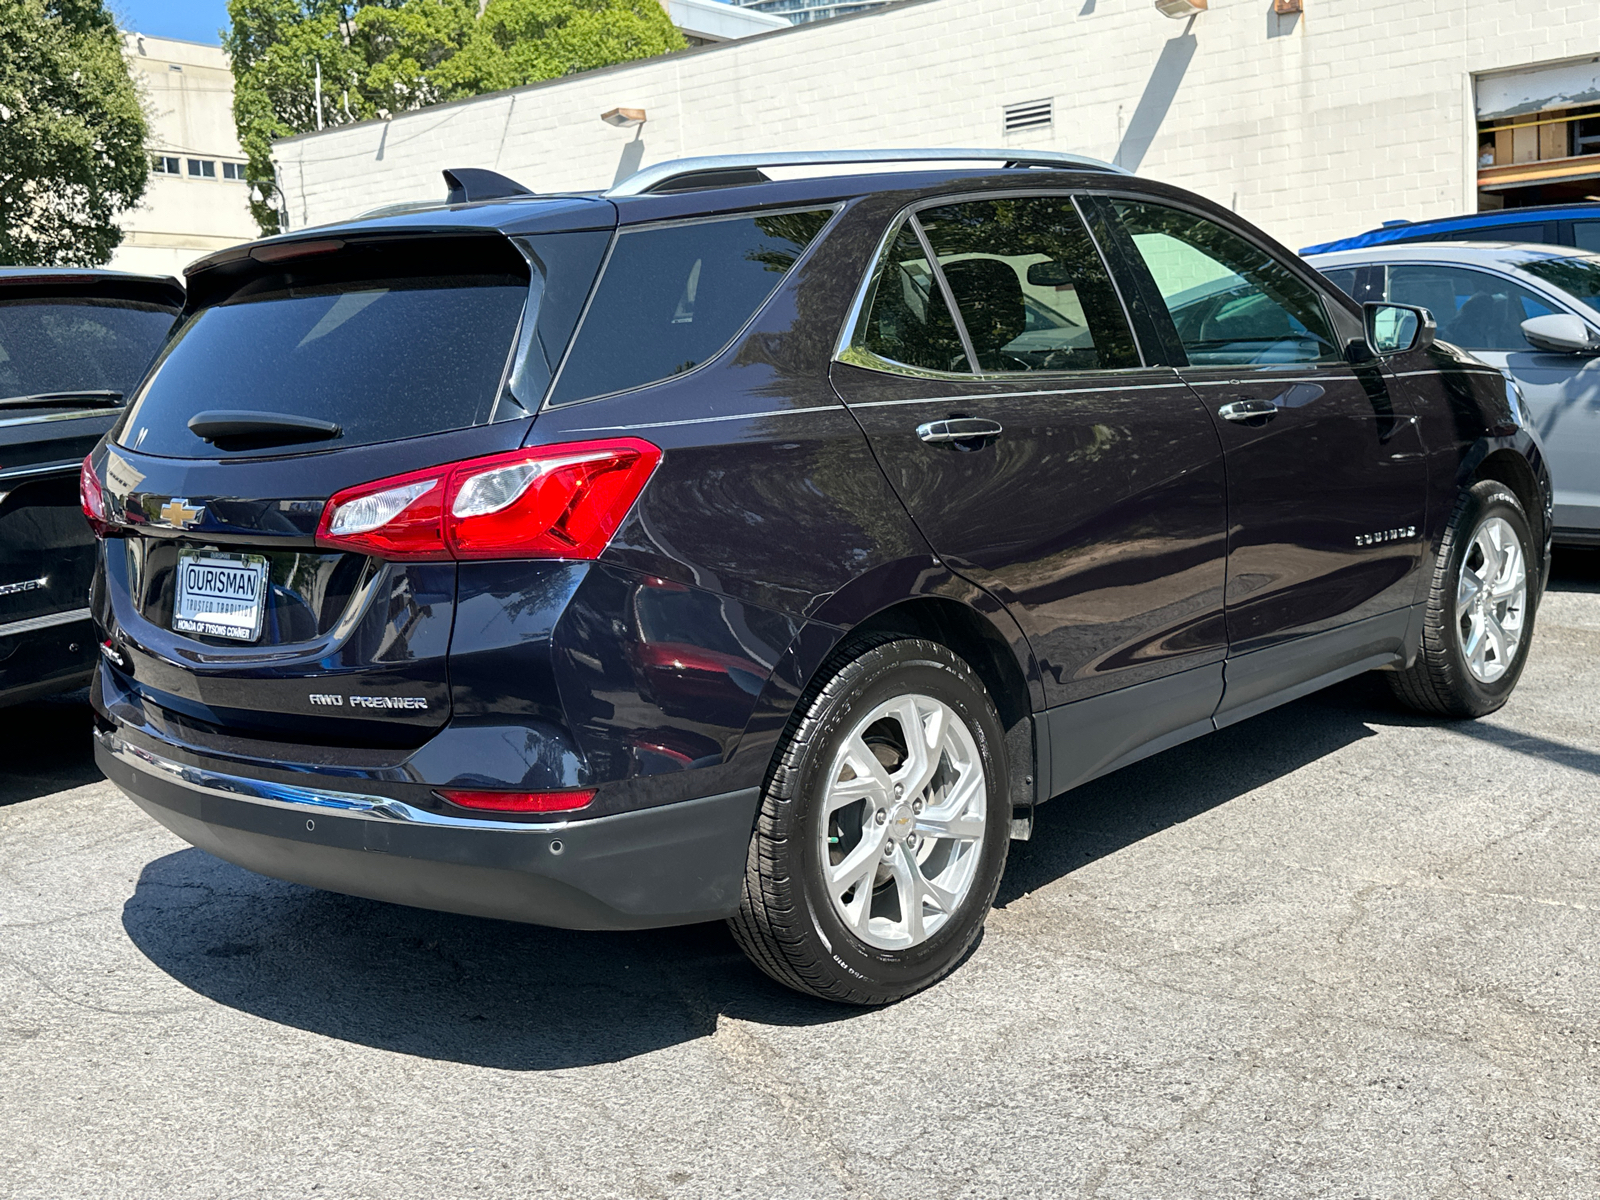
{"x": 1494, "y": 233}
{"x": 1232, "y": 302}
{"x": 1586, "y": 235}
{"x": 1474, "y": 309}
{"x": 1359, "y": 283}
{"x": 1030, "y": 286}
{"x": 385, "y": 358}
{"x": 673, "y": 296}
{"x": 1578, "y": 277}
{"x": 77, "y": 345}
{"x": 908, "y": 320}
{"x": 1343, "y": 278}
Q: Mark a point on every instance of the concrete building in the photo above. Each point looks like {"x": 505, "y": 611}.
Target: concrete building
{"x": 197, "y": 198}
{"x": 1313, "y": 124}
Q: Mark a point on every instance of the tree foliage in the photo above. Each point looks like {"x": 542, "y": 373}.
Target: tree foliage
{"x": 72, "y": 133}
{"x": 382, "y": 57}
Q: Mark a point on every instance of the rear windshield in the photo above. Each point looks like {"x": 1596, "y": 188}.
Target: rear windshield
{"x": 77, "y": 345}
{"x": 383, "y": 357}
{"x": 672, "y": 296}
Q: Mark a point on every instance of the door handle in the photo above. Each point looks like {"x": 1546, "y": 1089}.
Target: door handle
{"x": 1248, "y": 410}
{"x": 958, "y": 429}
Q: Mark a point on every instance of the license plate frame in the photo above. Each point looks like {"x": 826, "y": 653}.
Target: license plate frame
{"x": 220, "y": 610}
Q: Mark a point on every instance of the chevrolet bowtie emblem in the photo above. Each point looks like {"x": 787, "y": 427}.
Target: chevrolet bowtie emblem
{"x": 178, "y": 513}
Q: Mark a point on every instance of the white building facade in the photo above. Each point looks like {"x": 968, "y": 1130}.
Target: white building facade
{"x": 1313, "y": 125}
{"x": 197, "y": 201}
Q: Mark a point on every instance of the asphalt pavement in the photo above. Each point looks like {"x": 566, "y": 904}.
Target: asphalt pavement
{"x": 1336, "y": 951}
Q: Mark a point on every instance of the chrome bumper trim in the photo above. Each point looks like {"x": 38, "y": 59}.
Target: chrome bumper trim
{"x": 300, "y": 799}
{"x": 45, "y": 622}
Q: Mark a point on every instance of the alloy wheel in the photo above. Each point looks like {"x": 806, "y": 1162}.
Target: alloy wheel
{"x": 903, "y": 821}
{"x": 1491, "y": 600}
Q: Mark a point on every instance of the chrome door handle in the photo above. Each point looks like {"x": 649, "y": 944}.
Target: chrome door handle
{"x": 958, "y": 429}
{"x": 1248, "y": 410}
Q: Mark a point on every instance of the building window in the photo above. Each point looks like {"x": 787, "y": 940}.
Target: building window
{"x": 202, "y": 168}
{"x": 233, "y": 171}
{"x": 162, "y": 165}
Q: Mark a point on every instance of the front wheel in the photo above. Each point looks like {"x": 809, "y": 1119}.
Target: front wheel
{"x": 883, "y": 830}
{"x": 1479, "y": 617}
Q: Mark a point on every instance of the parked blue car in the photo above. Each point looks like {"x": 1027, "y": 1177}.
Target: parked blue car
{"x": 1555, "y": 225}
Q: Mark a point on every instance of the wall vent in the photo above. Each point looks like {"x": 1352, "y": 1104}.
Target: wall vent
{"x": 1030, "y": 114}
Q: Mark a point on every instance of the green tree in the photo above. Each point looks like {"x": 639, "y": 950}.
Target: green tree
{"x": 382, "y": 57}
{"x": 72, "y": 133}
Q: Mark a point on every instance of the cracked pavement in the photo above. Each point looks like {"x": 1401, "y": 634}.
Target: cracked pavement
{"x": 1336, "y": 951}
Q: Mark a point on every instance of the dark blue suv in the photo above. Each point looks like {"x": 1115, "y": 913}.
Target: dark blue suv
{"x": 726, "y": 546}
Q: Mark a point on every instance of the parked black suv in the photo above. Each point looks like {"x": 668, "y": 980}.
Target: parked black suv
{"x": 722, "y": 547}
{"x": 72, "y": 342}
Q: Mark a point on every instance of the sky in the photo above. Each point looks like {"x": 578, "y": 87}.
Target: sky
{"x": 188, "y": 20}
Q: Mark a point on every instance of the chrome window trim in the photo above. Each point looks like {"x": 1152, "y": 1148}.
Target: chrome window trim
{"x": 77, "y": 414}
{"x": 295, "y": 798}
{"x": 848, "y": 350}
{"x": 50, "y": 620}
{"x": 63, "y": 467}
{"x": 835, "y": 208}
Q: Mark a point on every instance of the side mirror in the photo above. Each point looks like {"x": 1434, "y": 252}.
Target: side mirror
{"x": 1048, "y": 274}
{"x": 1561, "y": 333}
{"x": 1396, "y": 328}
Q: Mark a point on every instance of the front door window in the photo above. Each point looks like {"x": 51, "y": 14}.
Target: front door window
{"x": 1232, "y": 303}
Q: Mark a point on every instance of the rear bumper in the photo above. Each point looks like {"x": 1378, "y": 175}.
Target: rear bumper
{"x": 671, "y": 865}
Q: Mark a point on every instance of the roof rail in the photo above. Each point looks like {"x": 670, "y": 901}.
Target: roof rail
{"x": 723, "y": 170}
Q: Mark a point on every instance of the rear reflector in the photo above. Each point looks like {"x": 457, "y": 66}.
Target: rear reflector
{"x": 562, "y": 501}
{"x": 521, "y": 802}
{"x": 92, "y": 498}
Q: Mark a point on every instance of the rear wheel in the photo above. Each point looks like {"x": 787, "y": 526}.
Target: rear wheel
{"x": 1479, "y": 619}
{"x": 883, "y": 830}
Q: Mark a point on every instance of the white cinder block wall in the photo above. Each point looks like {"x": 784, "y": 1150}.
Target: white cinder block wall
{"x": 1313, "y": 126}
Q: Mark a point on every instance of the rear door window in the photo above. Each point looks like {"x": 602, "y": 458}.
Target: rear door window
{"x": 672, "y": 296}
{"x": 908, "y": 321}
{"x": 77, "y": 345}
{"x": 1586, "y": 235}
{"x": 1030, "y": 286}
{"x": 384, "y": 356}
{"x": 1474, "y": 309}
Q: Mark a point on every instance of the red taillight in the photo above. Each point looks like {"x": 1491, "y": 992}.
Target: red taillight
{"x": 520, "y": 802}
{"x": 562, "y": 501}
{"x": 92, "y": 497}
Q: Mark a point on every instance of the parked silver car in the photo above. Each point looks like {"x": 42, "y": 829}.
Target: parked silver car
{"x": 1531, "y": 311}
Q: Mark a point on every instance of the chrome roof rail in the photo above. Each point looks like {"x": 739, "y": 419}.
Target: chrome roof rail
{"x": 719, "y": 170}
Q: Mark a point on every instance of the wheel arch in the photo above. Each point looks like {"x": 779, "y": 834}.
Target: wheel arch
{"x": 971, "y": 635}
{"x": 1506, "y": 466}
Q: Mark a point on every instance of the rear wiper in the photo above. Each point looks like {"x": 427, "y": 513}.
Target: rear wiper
{"x": 92, "y": 398}
{"x": 259, "y": 428}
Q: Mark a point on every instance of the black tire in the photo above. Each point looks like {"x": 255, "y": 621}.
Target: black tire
{"x": 786, "y": 922}
{"x": 1440, "y": 682}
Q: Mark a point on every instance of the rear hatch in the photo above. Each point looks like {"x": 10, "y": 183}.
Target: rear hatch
{"x": 301, "y": 369}
{"x": 72, "y": 343}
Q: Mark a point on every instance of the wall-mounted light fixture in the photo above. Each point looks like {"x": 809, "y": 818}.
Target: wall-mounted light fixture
{"x": 1179, "y": 9}
{"x": 1288, "y": 8}
{"x": 623, "y": 118}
